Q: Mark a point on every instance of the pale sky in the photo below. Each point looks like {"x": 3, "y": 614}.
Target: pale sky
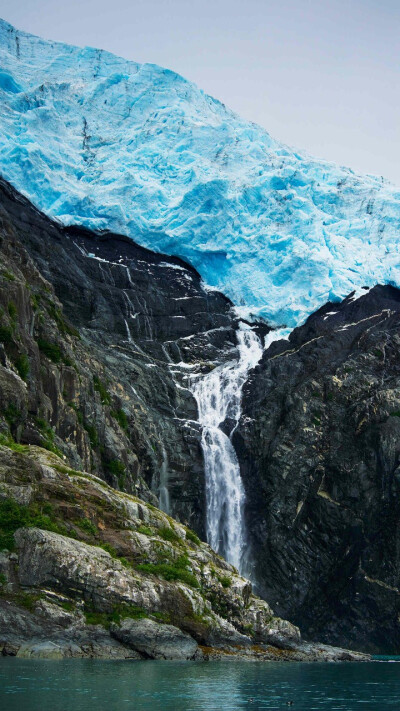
{"x": 319, "y": 75}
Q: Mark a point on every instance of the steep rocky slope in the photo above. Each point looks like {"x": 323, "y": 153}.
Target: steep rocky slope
{"x": 319, "y": 448}
{"x": 94, "y": 334}
{"x": 97, "y": 337}
{"x": 95, "y": 139}
{"x": 86, "y": 570}
{"x": 89, "y": 571}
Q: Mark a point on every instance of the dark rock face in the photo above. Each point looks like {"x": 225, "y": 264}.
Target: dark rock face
{"x": 319, "y": 448}
{"x": 103, "y": 574}
{"x": 154, "y": 640}
{"x": 97, "y": 338}
{"x": 99, "y": 324}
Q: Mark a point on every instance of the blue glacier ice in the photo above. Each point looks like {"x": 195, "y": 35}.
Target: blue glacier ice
{"x": 101, "y": 141}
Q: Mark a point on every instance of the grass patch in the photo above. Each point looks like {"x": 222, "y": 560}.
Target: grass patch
{"x": 51, "y": 350}
{"x": 22, "y": 365}
{"x": 8, "y": 275}
{"x": 47, "y": 433}
{"x": 168, "y": 534}
{"x": 8, "y": 441}
{"x": 378, "y": 353}
{"x": 87, "y": 526}
{"x": 66, "y": 470}
{"x": 106, "y": 547}
{"x": 164, "y": 617}
{"x": 192, "y": 536}
{"x": 117, "y": 469}
{"x": 14, "y": 516}
{"x": 12, "y": 414}
{"x": 79, "y": 415}
{"x": 63, "y": 326}
{"x": 68, "y": 605}
{"x": 121, "y": 418}
{"x": 23, "y": 599}
{"x": 171, "y": 571}
{"x": 93, "y": 436}
{"x": 35, "y": 299}
{"x": 6, "y": 335}
{"x": 118, "y": 613}
{"x": 12, "y": 310}
{"x": 101, "y": 388}
{"x": 146, "y": 530}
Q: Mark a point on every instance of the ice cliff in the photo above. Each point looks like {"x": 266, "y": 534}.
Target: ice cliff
{"x": 104, "y": 142}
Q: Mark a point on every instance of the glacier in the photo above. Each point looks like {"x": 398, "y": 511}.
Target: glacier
{"x": 94, "y": 139}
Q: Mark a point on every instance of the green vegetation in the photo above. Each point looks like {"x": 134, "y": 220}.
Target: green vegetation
{"x": 118, "y": 613}
{"x": 164, "y": 617}
{"x": 8, "y": 441}
{"x": 12, "y": 310}
{"x": 23, "y": 599}
{"x": 85, "y": 524}
{"x": 68, "y": 605}
{"x": 113, "y": 553}
{"x": 225, "y": 581}
{"x": 63, "y": 326}
{"x": 178, "y": 570}
{"x": 22, "y": 365}
{"x": 146, "y": 530}
{"x": 35, "y": 299}
{"x": 68, "y": 361}
{"x": 121, "y": 418}
{"x": 117, "y": 469}
{"x": 79, "y": 415}
{"x": 378, "y": 353}
{"x": 67, "y": 470}
{"x": 47, "y": 433}
{"x": 8, "y": 275}
{"x": 6, "y": 335}
{"x": 396, "y": 413}
{"x": 109, "y": 549}
{"x": 3, "y": 579}
{"x": 50, "y": 350}
{"x": 12, "y": 414}
{"x": 93, "y": 436}
{"x": 101, "y": 388}
{"x": 14, "y": 516}
{"x": 316, "y": 420}
{"x": 168, "y": 534}
{"x": 192, "y": 536}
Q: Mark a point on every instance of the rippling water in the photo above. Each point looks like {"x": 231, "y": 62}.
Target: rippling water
{"x": 89, "y": 685}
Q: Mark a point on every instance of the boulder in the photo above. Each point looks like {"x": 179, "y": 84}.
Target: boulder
{"x": 155, "y": 640}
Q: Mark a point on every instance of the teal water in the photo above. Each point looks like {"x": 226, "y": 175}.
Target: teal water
{"x": 89, "y": 685}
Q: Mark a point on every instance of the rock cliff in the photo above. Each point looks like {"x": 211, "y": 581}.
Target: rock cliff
{"x": 319, "y": 448}
{"x": 97, "y": 337}
{"x": 90, "y": 571}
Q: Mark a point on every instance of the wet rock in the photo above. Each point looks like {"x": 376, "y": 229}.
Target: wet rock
{"x": 99, "y": 328}
{"x": 318, "y": 444}
{"x": 155, "y": 640}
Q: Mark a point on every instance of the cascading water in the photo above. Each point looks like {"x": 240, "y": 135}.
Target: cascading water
{"x": 218, "y": 396}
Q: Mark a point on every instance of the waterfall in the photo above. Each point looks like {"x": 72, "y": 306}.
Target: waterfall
{"x": 163, "y": 496}
{"x": 218, "y": 396}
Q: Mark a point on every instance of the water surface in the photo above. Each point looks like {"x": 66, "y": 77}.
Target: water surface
{"x": 92, "y": 685}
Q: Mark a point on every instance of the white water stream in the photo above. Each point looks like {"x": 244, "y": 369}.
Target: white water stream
{"x": 218, "y": 396}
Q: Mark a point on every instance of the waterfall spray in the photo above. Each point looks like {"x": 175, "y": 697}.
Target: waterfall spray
{"x": 218, "y": 396}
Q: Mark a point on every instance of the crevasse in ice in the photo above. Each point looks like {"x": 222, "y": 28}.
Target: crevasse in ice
{"x": 101, "y": 141}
